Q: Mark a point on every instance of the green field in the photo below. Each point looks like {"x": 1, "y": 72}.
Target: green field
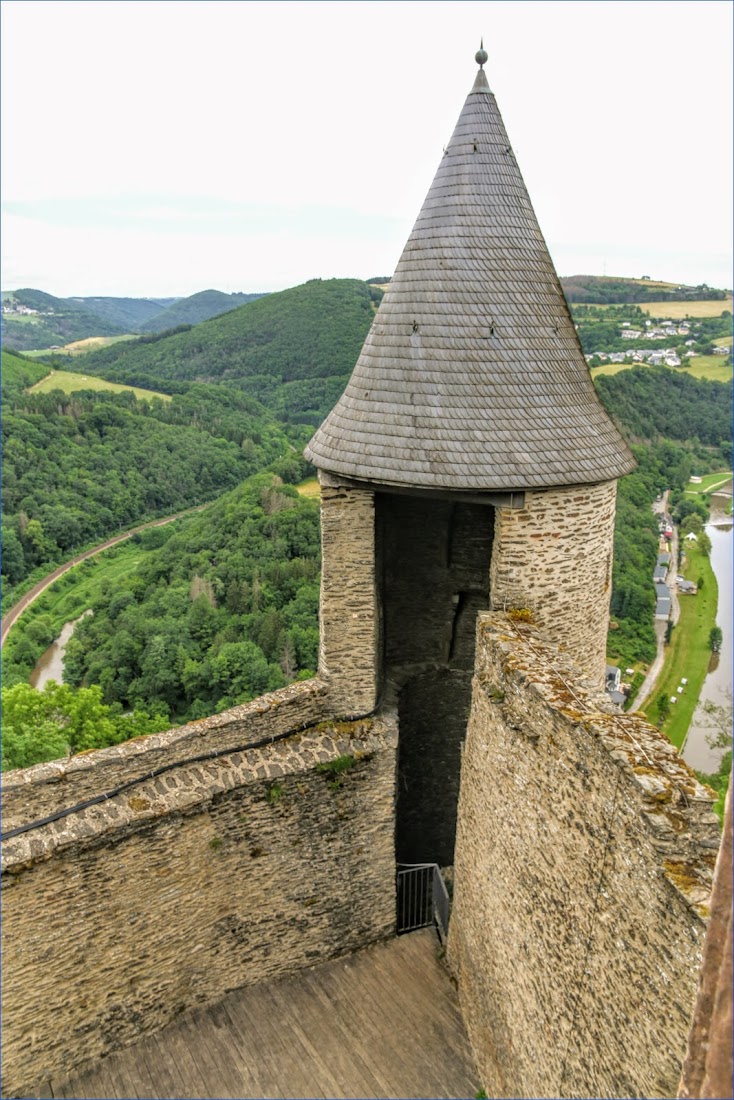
{"x": 613, "y": 368}
{"x": 702, "y": 366}
{"x": 688, "y": 654}
{"x": 309, "y": 488}
{"x": 69, "y": 382}
{"x": 711, "y": 367}
{"x": 710, "y": 482}
{"x": 80, "y": 347}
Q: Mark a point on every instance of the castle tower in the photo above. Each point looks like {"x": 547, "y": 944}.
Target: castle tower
{"x": 468, "y": 464}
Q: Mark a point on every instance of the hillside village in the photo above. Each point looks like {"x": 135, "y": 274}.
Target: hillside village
{"x": 688, "y": 333}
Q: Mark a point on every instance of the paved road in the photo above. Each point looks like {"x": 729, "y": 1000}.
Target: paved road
{"x": 25, "y": 602}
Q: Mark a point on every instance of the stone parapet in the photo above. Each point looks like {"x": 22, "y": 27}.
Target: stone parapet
{"x": 584, "y": 860}
{"x": 554, "y": 558}
{"x": 31, "y": 793}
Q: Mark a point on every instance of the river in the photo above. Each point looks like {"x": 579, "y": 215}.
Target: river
{"x": 717, "y": 687}
{"x": 50, "y": 665}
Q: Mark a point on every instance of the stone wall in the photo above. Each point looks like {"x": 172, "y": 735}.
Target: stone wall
{"x": 583, "y": 867}
{"x": 211, "y": 876}
{"x": 554, "y": 557}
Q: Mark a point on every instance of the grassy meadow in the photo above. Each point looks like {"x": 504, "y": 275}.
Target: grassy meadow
{"x": 676, "y": 311}
{"x": 80, "y": 347}
{"x": 310, "y": 488}
{"x": 702, "y": 366}
{"x": 688, "y": 654}
{"x": 711, "y": 367}
{"x": 672, "y": 311}
{"x": 710, "y": 483}
{"x": 69, "y": 382}
{"x": 613, "y": 368}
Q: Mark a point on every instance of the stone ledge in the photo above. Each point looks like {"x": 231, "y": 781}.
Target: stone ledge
{"x": 30, "y": 793}
{"x": 193, "y": 786}
{"x": 676, "y": 809}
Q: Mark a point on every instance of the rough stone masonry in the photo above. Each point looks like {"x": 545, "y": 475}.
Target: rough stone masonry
{"x": 584, "y": 859}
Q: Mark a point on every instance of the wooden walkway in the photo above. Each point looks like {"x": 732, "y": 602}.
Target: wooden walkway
{"x": 381, "y": 1023}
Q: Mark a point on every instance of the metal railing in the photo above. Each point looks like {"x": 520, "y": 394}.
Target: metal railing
{"x": 422, "y": 898}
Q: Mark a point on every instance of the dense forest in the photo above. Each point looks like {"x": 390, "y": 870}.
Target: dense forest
{"x": 78, "y": 468}
{"x": 653, "y": 403}
{"x": 194, "y": 309}
{"x": 681, "y": 425}
{"x": 223, "y": 611}
{"x": 293, "y": 351}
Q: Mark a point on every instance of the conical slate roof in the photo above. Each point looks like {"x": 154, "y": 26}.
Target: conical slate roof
{"x": 472, "y": 376}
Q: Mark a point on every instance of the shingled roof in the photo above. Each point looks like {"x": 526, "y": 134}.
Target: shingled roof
{"x": 472, "y": 376}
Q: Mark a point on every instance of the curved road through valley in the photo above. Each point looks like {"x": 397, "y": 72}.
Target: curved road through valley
{"x": 32, "y": 594}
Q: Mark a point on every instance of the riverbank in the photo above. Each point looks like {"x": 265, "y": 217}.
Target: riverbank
{"x": 63, "y": 601}
{"x": 688, "y": 654}
{"x": 716, "y": 693}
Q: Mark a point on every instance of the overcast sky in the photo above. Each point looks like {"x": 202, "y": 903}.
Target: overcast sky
{"x": 160, "y": 148}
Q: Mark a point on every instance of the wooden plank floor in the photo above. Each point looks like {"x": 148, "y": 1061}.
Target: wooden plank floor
{"x": 381, "y": 1023}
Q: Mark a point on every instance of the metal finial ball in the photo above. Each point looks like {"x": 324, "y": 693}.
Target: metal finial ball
{"x": 481, "y": 56}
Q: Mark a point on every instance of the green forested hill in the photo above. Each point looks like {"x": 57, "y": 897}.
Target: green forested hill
{"x": 196, "y": 308}
{"x": 601, "y": 289}
{"x": 79, "y": 467}
{"x": 62, "y": 320}
{"x": 652, "y": 403}
{"x": 681, "y": 425}
{"x": 129, "y": 313}
{"x": 293, "y": 350}
{"x": 20, "y": 372}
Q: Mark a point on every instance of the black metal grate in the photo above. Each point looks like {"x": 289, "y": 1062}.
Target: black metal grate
{"x": 422, "y": 898}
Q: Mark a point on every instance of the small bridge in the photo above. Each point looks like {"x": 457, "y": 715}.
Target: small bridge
{"x": 384, "y": 1022}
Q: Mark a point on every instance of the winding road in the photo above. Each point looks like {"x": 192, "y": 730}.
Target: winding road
{"x": 32, "y": 594}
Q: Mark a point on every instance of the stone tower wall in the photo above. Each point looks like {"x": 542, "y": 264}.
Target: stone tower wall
{"x": 554, "y": 557}
{"x": 349, "y": 644}
{"x": 583, "y": 867}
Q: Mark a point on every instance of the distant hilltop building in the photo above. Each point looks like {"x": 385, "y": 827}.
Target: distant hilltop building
{"x": 458, "y": 720}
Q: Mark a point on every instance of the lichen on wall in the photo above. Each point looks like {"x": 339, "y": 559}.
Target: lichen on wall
{"x": 583, "y": 866}
{"x": 216, "y": 875}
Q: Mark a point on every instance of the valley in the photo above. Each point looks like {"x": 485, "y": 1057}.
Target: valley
{"x": 223, "y": 605}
